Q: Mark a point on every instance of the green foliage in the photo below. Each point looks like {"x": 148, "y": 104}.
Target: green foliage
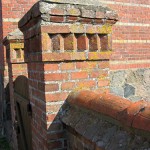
{"x": 4, "y": 145}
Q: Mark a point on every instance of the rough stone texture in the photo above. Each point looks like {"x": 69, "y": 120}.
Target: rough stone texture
{"x": 129, "y": 90}
{"x": 90, "y": 130}
{"x": 45, "y": 10}
{"x": 16, "y": 34}
{"x": 85, "y": 2}
{"x": 131, "y": 84}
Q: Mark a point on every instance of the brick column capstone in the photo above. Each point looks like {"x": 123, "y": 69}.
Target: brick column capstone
{"x": 67, "y": 47}
{"x": 14, "y": 44}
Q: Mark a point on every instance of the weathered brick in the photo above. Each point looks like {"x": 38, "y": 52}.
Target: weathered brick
{"x": 56, "y": 97}
{"x": 46, "y": 42}
{"x": 57, "y": 11}
{"x": 51, "y": 117}
{"x": 100, "y": 14}
{"x": 104, "y": 42}
{"x": 56, "y": 76}
{"x": 73, "y": 12}
{"x": 56, "y": 29}
{"x": 82, "y": 42}
{"x": 56, "y": 56}
{"x": 111, "y": 15}
{"x": 67, "y": 66}
{"x": 86, "y": 20}
{"x": 57, "y": 19}
{"x": 88, "y": 13}
{"x": 103, "y": 64}
{"x": 98, "y": 21}
{"x": 90, "y": 29}
{"x": 50, "y": 67}
{"x": 56, "y": 42}
{"x": 69, "y": 42}
{"x": 101, "y": 74}
{"x": 53, "y": 108}
{"x": 68, "y": 85}
{"x": 93, "y": 42}
{"x": 77, "y": 28}
{"x": 51, "y": 87}
{"x": 103, "y": 83}
{"x": 86, "y": 65}
{"x": 79, "y": 75}
{"x": 72, "y": 19}
{"x": 99, "y": 55}
{"x": 86, "y": 84}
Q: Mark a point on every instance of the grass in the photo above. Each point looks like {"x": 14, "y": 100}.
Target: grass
{"x": 4, "y": 145}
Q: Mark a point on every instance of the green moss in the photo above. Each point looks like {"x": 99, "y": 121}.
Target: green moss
{"x": 4, "y": 144}
{"x": 105, "y": 29}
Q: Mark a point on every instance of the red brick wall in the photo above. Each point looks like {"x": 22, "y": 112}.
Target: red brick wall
{"x": 57, "y": 64}
{"x": 10, "y": 13}
{"x": 50, "y": 84}
{"x": 131, "y": 34}
{"x": 133, "y": 25}
{"x": 130, "y": 43}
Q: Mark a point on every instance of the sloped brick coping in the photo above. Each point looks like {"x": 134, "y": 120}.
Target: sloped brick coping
{"x": 14, "y": 43}
{"x": 129, "y": 114}
{"x": 16, "y": 35}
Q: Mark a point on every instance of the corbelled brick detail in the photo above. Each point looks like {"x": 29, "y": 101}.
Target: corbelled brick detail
{"x": 65, "y": 50}
{"x": 56, "y": 66}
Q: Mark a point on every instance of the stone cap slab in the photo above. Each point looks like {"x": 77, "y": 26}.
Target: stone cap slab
{"x": 13, "y": 36}
{"x": 79, "y": 2}
{"x": 133, "y": 115}
{"x": 48, "y": 11}
{"x": 14, "y": 43}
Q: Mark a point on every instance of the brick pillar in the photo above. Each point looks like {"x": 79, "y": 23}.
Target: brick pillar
{"x": 16, "y": 66}
{"x": 67, "y": 48}
{"x": 9, "y": 16}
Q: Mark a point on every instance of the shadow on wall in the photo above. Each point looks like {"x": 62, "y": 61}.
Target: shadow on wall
{"x": 7, "y": 114}
{"x": 1, "y": 72}
{"x": 32, "y": 121}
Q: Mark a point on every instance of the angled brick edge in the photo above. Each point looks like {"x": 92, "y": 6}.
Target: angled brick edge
{"x": 15, "y": 36}
{"x": 129, "y": 114}
{"x": 14, "y": 41}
